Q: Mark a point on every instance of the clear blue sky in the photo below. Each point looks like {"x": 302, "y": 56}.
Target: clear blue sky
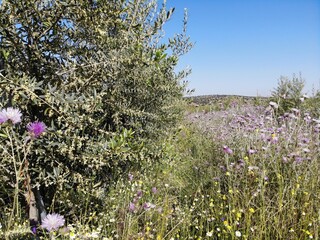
{"x": 243, "y": 46}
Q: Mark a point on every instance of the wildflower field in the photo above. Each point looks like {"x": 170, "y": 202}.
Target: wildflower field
{"x": 97, "y": 140}
{"x": 238, "y": 172}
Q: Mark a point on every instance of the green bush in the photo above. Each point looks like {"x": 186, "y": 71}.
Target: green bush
{"x": 312, "y": 104}
{"x": 102, "y": 79}
{"x": 288, "y": 94}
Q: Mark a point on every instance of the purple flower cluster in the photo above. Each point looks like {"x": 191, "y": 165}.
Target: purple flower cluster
{"x": 145, "y": 206}
{"x": 294, "y": 136}
{"x": 14, "y": 115}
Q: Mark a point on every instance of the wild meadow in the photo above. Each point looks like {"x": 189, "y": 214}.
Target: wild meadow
{"x": 97, "y": 140}
{"x": 243, "y": 171}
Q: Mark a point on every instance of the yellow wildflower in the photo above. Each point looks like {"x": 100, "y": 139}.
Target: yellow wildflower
{"x": 251, "y": 210}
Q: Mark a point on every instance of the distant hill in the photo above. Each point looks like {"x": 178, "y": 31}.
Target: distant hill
{"x": 209, "y": 99}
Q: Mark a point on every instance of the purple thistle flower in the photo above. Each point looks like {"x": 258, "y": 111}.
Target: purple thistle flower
{"x": 139, "y": 193}
{"x": 227, "y": 150}
{"x": 3, "y": 116}
{"x": 251, "y": 151}
{"x": 273, "y": 138}
{"x": 154, "y": 190}
{"x": 306, "y": 150}
{"x": 240, "y": 164}
{"x": 147, "y": 206}
{"x": 130, "y": 177}
{"x": 307, "y": 118}
{"x": 53, "y": 222}
{"x": 298, "y": 159}
{"x": 10, "y": 114}
{"x": 34, "y": 230}
{"x": 36, "y": 128}
{"x": 132, "y": 207}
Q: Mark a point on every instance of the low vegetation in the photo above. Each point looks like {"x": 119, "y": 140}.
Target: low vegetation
{"x": 97, "y": 141}
{"x": 236, "y": 173}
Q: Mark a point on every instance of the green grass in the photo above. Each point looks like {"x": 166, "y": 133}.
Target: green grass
{"x": 197, "y": 191}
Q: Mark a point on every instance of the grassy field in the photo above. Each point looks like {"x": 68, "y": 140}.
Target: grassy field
{"x": 233, "y": 170}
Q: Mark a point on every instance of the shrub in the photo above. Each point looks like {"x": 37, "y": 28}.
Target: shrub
{"x": 288, "y": 93}
{"x": 102, "y": 79}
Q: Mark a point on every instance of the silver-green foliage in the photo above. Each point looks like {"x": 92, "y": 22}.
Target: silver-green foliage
{"x": 91, "y": 70}
{"x": 289, "y": 96}
{"x": 289, "y": 93}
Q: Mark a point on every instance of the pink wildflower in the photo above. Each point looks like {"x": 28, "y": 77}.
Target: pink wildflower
{"x": 36, "y": 128}
{"x": 10, "y": 114}
{"x": 227, "y": 150}
{"x": 53, "y": 222}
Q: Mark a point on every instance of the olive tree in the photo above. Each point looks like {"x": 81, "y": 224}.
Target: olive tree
{"x": 100, "y": 75}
